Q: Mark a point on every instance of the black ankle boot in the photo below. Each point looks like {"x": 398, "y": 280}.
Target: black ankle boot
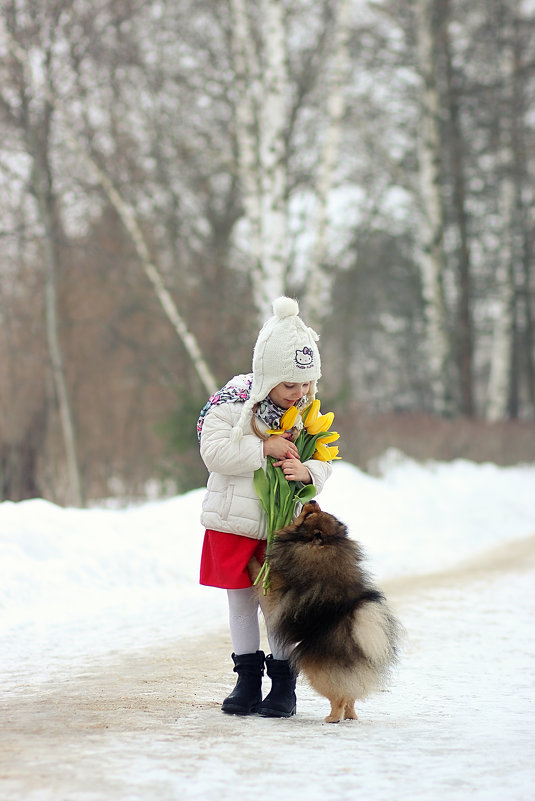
{"x": 247, "y": 693}
{"x": 280, "y": 701}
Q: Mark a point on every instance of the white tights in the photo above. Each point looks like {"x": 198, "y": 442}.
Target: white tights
{"x": 244, "y": 624}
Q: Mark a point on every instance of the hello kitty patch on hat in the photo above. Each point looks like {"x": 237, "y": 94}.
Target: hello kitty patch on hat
{"x": 304, "y": 358}
{"x": 285, "y": 351}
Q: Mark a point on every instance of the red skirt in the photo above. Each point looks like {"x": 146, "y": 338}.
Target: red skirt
{"x": 224, "y": 559}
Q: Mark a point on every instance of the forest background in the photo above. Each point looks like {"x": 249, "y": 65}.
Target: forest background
{"x": 168, "y": 168}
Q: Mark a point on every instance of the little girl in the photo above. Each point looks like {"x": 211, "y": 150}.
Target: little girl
{"x": 233, "y": 442}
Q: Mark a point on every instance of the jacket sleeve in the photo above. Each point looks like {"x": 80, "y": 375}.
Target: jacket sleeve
{"x": 320, "y": 472}
{"x": 220, "y": 454}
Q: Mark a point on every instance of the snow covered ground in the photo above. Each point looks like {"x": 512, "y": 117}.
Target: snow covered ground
{"x": 98, "y": 604}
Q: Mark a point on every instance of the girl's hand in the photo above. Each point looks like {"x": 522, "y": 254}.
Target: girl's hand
{"x": 280, "y": 448}
{"x": 294, "y": 470}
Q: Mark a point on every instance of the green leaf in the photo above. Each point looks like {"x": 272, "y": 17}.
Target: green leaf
{"x": 272, "y": 476}
{"x": 309, "y": 445}
{"x": 306, "y": 413}
{"x": 306, "y": 493}
{"x": 301, "y": 439}
{"x": 261, "y": 573}
{"x": 261, "y": 485}
{"x": 282, "y": 491}
{"x": 287, "y": 512}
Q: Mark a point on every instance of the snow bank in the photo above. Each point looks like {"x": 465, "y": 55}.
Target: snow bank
{"x": 84, "y": 581}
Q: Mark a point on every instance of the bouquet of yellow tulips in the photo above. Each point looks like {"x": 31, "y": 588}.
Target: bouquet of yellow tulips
{"x": 279, "y": 496}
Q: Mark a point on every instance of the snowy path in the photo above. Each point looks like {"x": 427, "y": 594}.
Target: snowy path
{"x": 458, "y": 722}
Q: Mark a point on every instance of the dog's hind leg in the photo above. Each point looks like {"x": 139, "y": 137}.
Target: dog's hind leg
{"x": 337, "y": 710}
{"x": 349, "y": 710}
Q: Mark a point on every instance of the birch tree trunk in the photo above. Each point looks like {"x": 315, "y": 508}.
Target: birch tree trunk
{"x": 247, "y": 111}
{"x": 501, "y": 357}
{"x": 464, "y": 328}
{"x": 432, "y": 217}
{"x": 42, "y": 188}
{"x": 523, "y": 240}
{"x": 36, "y": 129}
{"x": 129, "y": 219}
{"x": 320, "y": 279}
{"x": 273, "y": 156}
{"x": 524, "y": 205}
{"x": 261, "y": 119}
{"x": 130, "y": 222}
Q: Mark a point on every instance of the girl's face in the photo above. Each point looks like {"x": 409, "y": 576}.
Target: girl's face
{"x": 286, "y": 394}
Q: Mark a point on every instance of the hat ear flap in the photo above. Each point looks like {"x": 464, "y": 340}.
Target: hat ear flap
{"x": 237, "y": 432}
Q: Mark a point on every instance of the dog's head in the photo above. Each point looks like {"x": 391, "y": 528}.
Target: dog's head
{"x": 314, "y": 527}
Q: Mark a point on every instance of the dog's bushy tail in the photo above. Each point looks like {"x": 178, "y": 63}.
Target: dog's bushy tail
{"x": 377, "y": 632}
{"x": 363, "y": 632}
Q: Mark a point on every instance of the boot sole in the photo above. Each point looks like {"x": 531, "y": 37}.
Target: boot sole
{"x": 237, "y": 710}
{"x": 272, "y": 713}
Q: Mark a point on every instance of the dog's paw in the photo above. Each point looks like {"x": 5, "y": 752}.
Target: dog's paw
{"x": 333, "y": 718}
{"x": 341, "y": 710}
{"x": 338, "y": 709}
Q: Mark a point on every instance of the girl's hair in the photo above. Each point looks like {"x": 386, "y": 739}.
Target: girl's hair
{"x": 254, "y": 425}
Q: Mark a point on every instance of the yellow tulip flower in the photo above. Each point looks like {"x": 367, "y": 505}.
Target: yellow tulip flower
{"x": 321, "y": 423}
{"x": 313, "y": 412}
{"x": 321, "y": 453}
{"x": 330, "y": 437}
{"x": 325, "y": 454}
{"x": 287, "y": 422}
{"x": 289, "y": 417}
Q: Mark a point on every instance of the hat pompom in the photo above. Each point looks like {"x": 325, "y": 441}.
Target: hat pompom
{"x": 285, "y": 307}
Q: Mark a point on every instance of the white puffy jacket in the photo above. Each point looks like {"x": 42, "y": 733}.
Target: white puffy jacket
{"x": 231, "y": 503}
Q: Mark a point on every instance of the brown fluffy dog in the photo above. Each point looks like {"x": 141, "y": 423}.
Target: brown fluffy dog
{"x": 322, "y": 601}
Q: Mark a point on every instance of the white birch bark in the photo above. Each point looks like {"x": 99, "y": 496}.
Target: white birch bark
{"x": 129, "y": 219}
{"x": 246, "y": 110}
{"x": 130, "y": 222}
{"x": 74, "y": 480}
{"x": 261, "y": 119}
{"x": 502, "y": 340}
{"x": 431, "y": 257}
{"x": 42, "y": 188}
{"x": 274, "y": 119}
{"x": 320, "y": 280}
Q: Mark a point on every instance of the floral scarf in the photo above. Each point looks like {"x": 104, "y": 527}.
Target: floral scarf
{"x": 238, "y": 390}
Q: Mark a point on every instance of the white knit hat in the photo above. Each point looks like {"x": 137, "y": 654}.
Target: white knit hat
{"x": 285, "y": 350}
